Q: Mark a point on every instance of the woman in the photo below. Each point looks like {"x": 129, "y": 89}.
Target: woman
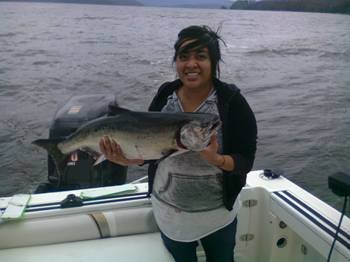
{"x": 193, "y": 194}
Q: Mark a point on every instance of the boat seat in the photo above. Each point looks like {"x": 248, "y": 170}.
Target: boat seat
{"x": 136, "y": 248}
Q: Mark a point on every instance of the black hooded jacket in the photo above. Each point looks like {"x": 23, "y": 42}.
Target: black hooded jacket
{"x": 239, "y": 131}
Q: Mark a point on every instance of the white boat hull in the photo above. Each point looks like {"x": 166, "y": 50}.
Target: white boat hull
{"x": 277, "y": 221}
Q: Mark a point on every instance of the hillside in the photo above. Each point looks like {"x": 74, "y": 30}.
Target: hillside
{"x": 103, "y": 2}
{"x": 325, "y": 6}
{"x": 187, "y": 3}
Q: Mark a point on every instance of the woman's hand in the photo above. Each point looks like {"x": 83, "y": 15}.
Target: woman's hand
{"x": 113, "y": 153}
{"x": 210, "y": 154}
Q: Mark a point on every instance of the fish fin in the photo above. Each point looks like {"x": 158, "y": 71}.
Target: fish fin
{"x": 100, "y": 160}
{"x": 116, "y": 110}
{"x": 57, "y": 156}
{"x": 92, "y": 153}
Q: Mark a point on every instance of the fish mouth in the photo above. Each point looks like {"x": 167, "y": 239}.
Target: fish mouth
{"x": 212, "y": 125}
{"x": 216, "y": 125}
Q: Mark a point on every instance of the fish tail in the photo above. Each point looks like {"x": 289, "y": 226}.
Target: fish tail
{"x": 57, "y": 156}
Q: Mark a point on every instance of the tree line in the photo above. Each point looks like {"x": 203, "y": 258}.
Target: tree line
{"x": 324, "y": 6}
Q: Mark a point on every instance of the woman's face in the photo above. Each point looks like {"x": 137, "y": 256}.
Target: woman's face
{"x": 194, "y": 67}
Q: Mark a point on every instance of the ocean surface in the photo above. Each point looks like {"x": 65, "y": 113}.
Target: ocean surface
{"x": 293, "y": 68}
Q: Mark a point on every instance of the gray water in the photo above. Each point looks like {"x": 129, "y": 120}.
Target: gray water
{"x": 293, "y": 68}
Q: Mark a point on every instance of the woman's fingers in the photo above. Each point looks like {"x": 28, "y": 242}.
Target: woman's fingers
{"x": 210, "y": 153}
{"x": 112, "y": 151}
{"x": 108, "y": 145}
{"x": 102, "y": 146}
{"x": 108, "y": 148}
{"x": 115, "y": 148}
{"x": 214, "y": 139}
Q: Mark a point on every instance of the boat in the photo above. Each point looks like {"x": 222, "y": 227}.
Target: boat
{"x": 277, "y": 221}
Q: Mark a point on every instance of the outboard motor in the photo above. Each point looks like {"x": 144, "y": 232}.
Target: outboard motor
{"x": 80, "y": 171}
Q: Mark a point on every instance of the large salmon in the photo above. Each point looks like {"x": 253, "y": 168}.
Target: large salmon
{"x": 141, "y": 135}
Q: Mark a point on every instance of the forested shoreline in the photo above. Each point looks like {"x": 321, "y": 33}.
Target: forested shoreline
{"x": 324, "y": 6}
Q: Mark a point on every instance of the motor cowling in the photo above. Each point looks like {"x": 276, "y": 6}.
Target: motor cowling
{"x": 80, "y": 171}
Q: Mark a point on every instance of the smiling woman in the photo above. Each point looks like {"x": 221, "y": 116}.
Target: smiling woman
{"x": 200, "y": 204}
{"x": 194, "y": 70}
{"x": 194, "y": 193}
{"x": 194, "y": 67}
{"x": 207, "y": 42}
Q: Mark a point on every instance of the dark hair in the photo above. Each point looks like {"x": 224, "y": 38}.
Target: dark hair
{"x": 203, "y": 36}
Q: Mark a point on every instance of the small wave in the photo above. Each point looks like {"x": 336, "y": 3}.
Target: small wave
{"x": 4, "y": 70}
{"x": 340, "y": 54}
{"x": 39, "y": 63}
{"x": 5, "y": 50}
{"x": 89, "y": 42}
{"x": 92, "y": 18}
{"x": 6, "y": 88}
{"x": 143, "y": 62}
{"x": 44, "y": 63}
{"x": 108, "y": 74}
{"x": 31, "y": 52}
{"x": 283, "y": 52}
{"x": 9, "y": 34}
{"x": 9, "y": 93}
{"x": 299, "y": 51}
